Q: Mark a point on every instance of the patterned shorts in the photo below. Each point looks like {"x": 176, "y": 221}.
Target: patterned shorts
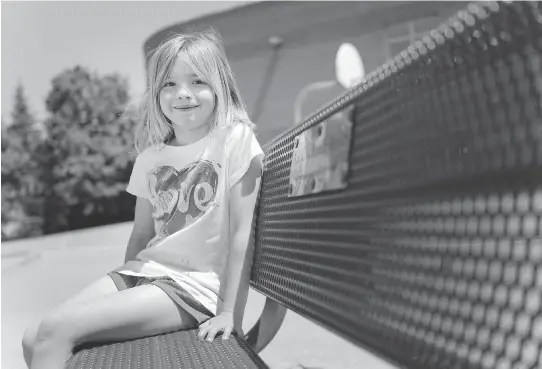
{"x": 179, "y": 295}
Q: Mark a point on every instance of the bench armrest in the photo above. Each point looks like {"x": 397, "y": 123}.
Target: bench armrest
{"x": 267, "y": 326}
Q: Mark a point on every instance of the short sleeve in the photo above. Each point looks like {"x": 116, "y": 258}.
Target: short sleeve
{"x": 242, "y": 148}
{"x": 138, "y": 179}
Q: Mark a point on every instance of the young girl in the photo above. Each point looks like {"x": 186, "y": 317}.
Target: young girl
{"x": 196, "y": 178}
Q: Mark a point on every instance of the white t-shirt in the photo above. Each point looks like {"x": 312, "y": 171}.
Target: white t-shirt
{"x": 188, "y": 187}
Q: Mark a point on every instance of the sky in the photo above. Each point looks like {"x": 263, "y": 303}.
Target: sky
{"x": 41, "y": 39}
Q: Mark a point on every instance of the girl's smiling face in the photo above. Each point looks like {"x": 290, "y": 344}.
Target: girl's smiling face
{"x": 186, "y": 100}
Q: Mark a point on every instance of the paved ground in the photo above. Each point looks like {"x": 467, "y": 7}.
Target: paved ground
{"x": 38, "y": 274}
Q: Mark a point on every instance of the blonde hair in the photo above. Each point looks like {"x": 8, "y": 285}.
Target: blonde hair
{"x": 205, "y": 54}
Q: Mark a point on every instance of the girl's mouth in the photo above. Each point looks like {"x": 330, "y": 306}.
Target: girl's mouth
{"x": 185, "y": 108}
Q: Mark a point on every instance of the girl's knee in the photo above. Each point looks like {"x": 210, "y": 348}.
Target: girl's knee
{"x": 29, "y": 337}
{"x": 44, "y": 337}
{"x": 57, "y": 326}
{"x": 29, "y": 340}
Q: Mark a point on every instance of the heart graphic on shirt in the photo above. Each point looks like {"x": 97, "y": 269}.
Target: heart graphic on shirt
{"x": 180, "y": 197}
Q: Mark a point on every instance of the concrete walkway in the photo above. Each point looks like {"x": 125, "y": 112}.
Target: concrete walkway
{"x": 38, "y": 274}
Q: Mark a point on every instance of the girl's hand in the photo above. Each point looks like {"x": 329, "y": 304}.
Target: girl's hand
{"x": 223, "y": 322}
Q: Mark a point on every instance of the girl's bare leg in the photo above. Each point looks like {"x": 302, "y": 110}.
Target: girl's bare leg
{"x": 133, "y": 313}
{"x": 101, "y": 287}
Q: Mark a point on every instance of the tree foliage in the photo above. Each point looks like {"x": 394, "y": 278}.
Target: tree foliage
{"x": 88, "y": 147}
{"x": 71, "y": 171}
{"x": 22, "y": 190}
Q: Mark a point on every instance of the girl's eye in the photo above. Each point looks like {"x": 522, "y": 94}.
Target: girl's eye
{"x": 169, "y": 84}
{"x": 199, "y": 82}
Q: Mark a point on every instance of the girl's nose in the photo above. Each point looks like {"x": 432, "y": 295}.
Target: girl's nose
{"x": 184, "y": 92}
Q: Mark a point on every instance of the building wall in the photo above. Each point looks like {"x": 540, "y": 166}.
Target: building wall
{"x": 312, "y": 33}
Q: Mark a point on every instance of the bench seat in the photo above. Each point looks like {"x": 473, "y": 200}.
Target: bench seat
{"x": 180, "y": 349}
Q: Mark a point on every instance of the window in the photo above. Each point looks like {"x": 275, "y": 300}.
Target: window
{"x": 401, "y": 36}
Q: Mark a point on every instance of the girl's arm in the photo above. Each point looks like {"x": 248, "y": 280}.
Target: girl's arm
{"x": 243, "y": 199}
{"x": 143, "y": 230}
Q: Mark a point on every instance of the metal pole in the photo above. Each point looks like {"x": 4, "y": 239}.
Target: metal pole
{"x": 275, "y": 42}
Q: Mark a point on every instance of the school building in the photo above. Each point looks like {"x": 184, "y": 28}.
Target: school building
{"x": 278, "y": 49}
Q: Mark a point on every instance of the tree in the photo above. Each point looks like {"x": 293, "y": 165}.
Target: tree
{"x": 21, "y": 187}
{"x": 88, "y": 146}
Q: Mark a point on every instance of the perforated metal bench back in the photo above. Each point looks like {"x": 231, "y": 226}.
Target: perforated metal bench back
{"x": 431, "y": 256}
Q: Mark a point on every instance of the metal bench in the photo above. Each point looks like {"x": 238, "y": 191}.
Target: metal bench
{"x": 413, "y": 232}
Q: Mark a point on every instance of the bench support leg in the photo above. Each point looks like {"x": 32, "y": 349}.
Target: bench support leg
{"x": 267, "y": 326}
